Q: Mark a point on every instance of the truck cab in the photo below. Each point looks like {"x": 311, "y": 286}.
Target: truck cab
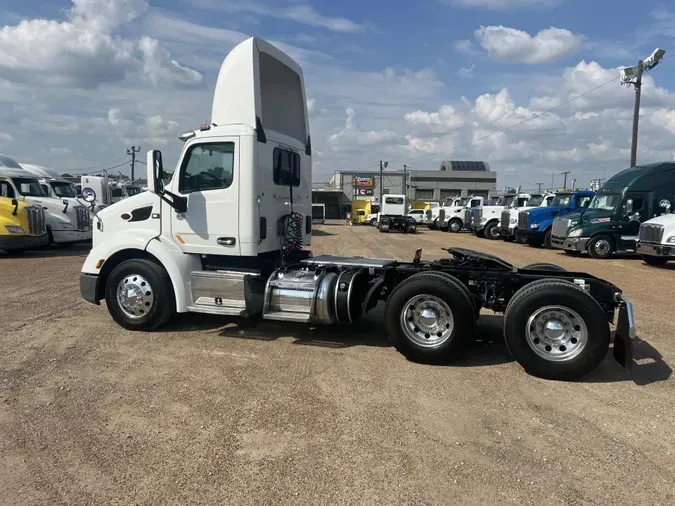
{"x": 536, "y": 226}
{"x": 508, "y": 223}
{"x": 486, "y": 219}
{"x": 612, "y": 222}
{"x": 455, "y": 216}
{"x": 319, "y": 213}
{"x": 656, "y": 239}
{"x": 66, "y": 223}
{"x": 22, "y": 226}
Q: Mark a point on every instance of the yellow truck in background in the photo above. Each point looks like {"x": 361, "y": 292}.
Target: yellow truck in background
{"x": 22, "y": 226}
{"x": 424, "y": 206}
{"x": 360, "y": 211}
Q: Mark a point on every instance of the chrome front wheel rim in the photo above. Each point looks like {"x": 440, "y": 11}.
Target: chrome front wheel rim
{"x": 602, "y": 247}
{"x": 556, "y": 333}
{"x": 427, "y": 321}
{"x": 135, "y": 295}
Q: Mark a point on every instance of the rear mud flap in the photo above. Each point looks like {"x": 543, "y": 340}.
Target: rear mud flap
{"x": 623, "y": 338}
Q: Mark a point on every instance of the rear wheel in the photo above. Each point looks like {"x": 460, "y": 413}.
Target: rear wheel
{"x": 655, "y": 261}
{"x": 544, "y": 267}
{"x": 139, "y": 295}
{"x": 430, "y": 317}
{"x": 601, "y": 247}
{"x": 547, "y": 240}
{"x": 555, "y": 330}
{"x": 492, "y": 231}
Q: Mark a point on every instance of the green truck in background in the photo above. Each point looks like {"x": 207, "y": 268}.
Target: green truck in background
{"x": 612, "y": 221}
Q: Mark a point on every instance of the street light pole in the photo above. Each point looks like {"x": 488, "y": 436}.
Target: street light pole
{"x": 405, "y": 180}
{"x": 636, "y": 114}
{"x": 383, "y": 165}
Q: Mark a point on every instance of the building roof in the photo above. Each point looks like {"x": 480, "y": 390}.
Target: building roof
{"x": 467, "y": 166}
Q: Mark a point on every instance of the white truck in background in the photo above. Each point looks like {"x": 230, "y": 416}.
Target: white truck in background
{"x": 508, "y": 223}
{"x": 656, "y": 238}
{"x": 227, "y": 236}
{"x": 67, "y": 222}
{"x": 394, "y": 215}
{"x": 455, "y": 216}
{"x": 486, "y": 219}
{"x": 108, "y": 191}
{"x": 319, "y": 213}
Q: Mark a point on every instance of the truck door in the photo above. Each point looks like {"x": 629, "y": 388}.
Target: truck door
{"x": 634, "y": 210}
{"x": 208, "y": 178}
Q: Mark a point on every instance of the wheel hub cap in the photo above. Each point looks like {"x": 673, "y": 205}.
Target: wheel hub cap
{"x": 135, "y": 295}
{"x": 427, "y": 320}
{"x": 556, "y": 333}
{"x": 602, "y": 247}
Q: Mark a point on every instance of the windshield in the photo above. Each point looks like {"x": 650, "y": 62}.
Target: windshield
{"x": 64, "y": 189}
{"x": 393, "y": 200}
{"x": 132, "y": 190}
{"x": 374, "y": 209}
{"x": 462, "y": 202}
{"x": 506, "y": 201}
{"x": 29, "y": 187}
{"x": 562, "y": 199}
{"x": 606, "y": 202}
{"x": 521, "y": 201}
{"x": 535, "y": 201}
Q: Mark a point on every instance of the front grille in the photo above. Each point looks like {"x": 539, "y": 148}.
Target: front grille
{"x": 83, "y": 218}
{"x": 37, "y": 224}
{"x": 560, "y": 226}
{"x": 523, "y": 219}
{"x": 477, "y": 215}
{"x": 506, "y": 218}
{"x": 467, "y": 217}
{"x": 441, "y": 215}
{"x": 651, "y": 233}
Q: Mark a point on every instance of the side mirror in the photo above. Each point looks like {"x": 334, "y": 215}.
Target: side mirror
{"x": 628, "y": 207}
{"x": 665, "y": 205}
{"x": 155, "y": 174}
{"x": 15, "y": 203}
{"x": 89, "y": 195}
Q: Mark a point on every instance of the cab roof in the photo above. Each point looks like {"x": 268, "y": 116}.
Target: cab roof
{"x": 635, "y": 176}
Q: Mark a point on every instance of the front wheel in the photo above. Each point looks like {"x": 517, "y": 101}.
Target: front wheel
{"x": 455, "y": 226}
{"x": 373, "y": 222}
{"x": 479, "y": 233}
{"x": 547, "y": 240}
{"x": 429, "y": 317}
{"x": 139, "y": 295}
{"x": 655, "y": 261}
{"x": 492, "y": 231}
{"x": 555, "y": 330}
{"x": 601, "y": 247}
{"x": 572, "y": 253}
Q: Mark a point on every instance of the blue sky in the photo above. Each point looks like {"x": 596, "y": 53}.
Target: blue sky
{"x": 404, "y": 81}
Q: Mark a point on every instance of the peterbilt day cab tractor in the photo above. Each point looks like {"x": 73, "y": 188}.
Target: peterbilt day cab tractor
{"x": 485, "y": 220}
{"x": 394, "y": 215}
{"x": 455, "y": 216}
{"x": 612, "y": 222}
{"x": 22, "y": 226}
{"x": 508, "y": 223}
{"x": 319, "y": 214}
{"x": 67, "y": 223}
{"x": 536, "y": 227}
{"x": 170, "y": 249}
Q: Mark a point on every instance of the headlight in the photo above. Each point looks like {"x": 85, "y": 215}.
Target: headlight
{"x": 534, "y": 226}
{"x": 483, "y": 219}
{"x": 671, "y": 239}
{"x": 14, "y": 230}
{"x": 575, "y": 233}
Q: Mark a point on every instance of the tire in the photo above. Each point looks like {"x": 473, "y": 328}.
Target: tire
{"x": 572, "y": 253}
{"x": 655, "y": 261}
{"x": 491, "y": 231}
{"x": 479, "y": 233}
{"x": 508, "y": 238}
{"x": 437, "y": 289}
{"x": 373, "y": 222}
{"x": 16, "y": 252}
{"x": 161, "y": 304}
{"x": 601, "y": 247}
{"x": 545, "y": 267}
{"x": 568, "y": 306}
{"x": 533, "y": 243}
{"x": 547, "y": 240}
{"x": 455, "y": 226}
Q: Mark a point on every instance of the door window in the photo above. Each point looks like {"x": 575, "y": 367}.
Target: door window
{"x": 583, "y": 201}
{"x": 6, "y": 190}
{"x": 286, "y": 167}
{"x": 207, "y": 167}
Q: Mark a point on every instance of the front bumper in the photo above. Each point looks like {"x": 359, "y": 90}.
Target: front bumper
{"x": 89, "y": 287}
{"x": 68, "y": 236}
{"x": 655, "y": 250}
{"x": 570, "y": 244}
{"x": 507, "y": 232}
{"x": 21, "y": 242}
{"x": 477, "y": 226}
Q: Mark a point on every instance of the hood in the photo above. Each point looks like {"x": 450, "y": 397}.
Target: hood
{"x": 592, "y": 215}
{"x": 542, "y": 213}
{"x": 665, "y": 220}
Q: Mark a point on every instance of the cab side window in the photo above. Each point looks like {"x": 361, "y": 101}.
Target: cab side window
{"x": 207, "y": 167}
{"x": 6, "y": 190}
{"x": 584, "y": 201}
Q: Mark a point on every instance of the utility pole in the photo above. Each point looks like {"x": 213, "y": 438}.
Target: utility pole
{"x": 633, "y": 75}
{"x": 405, "y": 180}
{"x": 539, "y": 187}
{"x": 552, "y": 180}
{"x": 565, "y": 183}
{"x": 132, "y": 152}
{"x": 383, "y": 165}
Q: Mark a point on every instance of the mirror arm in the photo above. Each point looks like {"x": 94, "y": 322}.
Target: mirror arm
{"x": 173, "y": 201}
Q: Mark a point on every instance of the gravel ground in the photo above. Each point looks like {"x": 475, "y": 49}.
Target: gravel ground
{"x": 216, "y": 411}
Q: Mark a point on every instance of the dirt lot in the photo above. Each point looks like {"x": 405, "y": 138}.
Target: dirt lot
{"x": 212, "y": 411}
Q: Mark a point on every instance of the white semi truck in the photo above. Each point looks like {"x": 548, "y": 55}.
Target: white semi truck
{"x": 485, "y": 220}
{"x": 67, "y": 221}
{"x": 319, "y": 213}
{"x": 656, "y": 239}
{"x": 228, "y": 235}
{"x": 394, "y": 215}
{"x": 456, "y": 215}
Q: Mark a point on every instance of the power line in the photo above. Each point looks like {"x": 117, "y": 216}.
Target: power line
{"x": 97, "y": 166}
{"x": 108, "y": 168}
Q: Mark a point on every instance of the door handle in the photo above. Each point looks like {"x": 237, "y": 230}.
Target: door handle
{"x": 226, "y": 241}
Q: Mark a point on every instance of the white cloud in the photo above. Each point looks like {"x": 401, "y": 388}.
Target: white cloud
{"x": 509, "y": 45}
{"x": 664, "y": 118}
{"x": 351, "y": 139}
{"x": 444, "y": 120}
{"x": 502, "y": 4}
{"x": 5, "y": 137}
{"x": 60, "y": 151}
{"x": 115, "y": 119}
{"x": 308, "y": 15}
{"x": 466, "y": 72}
{"x": 84, "y": 51}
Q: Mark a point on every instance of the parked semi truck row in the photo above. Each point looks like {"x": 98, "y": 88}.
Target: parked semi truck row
{"x": 167, "y": 250}
{"x": 612, "y": 221}
{"x": 508, "y": 222}
{"x": 22, "y": 226}
{"x": 485, "y": 220}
